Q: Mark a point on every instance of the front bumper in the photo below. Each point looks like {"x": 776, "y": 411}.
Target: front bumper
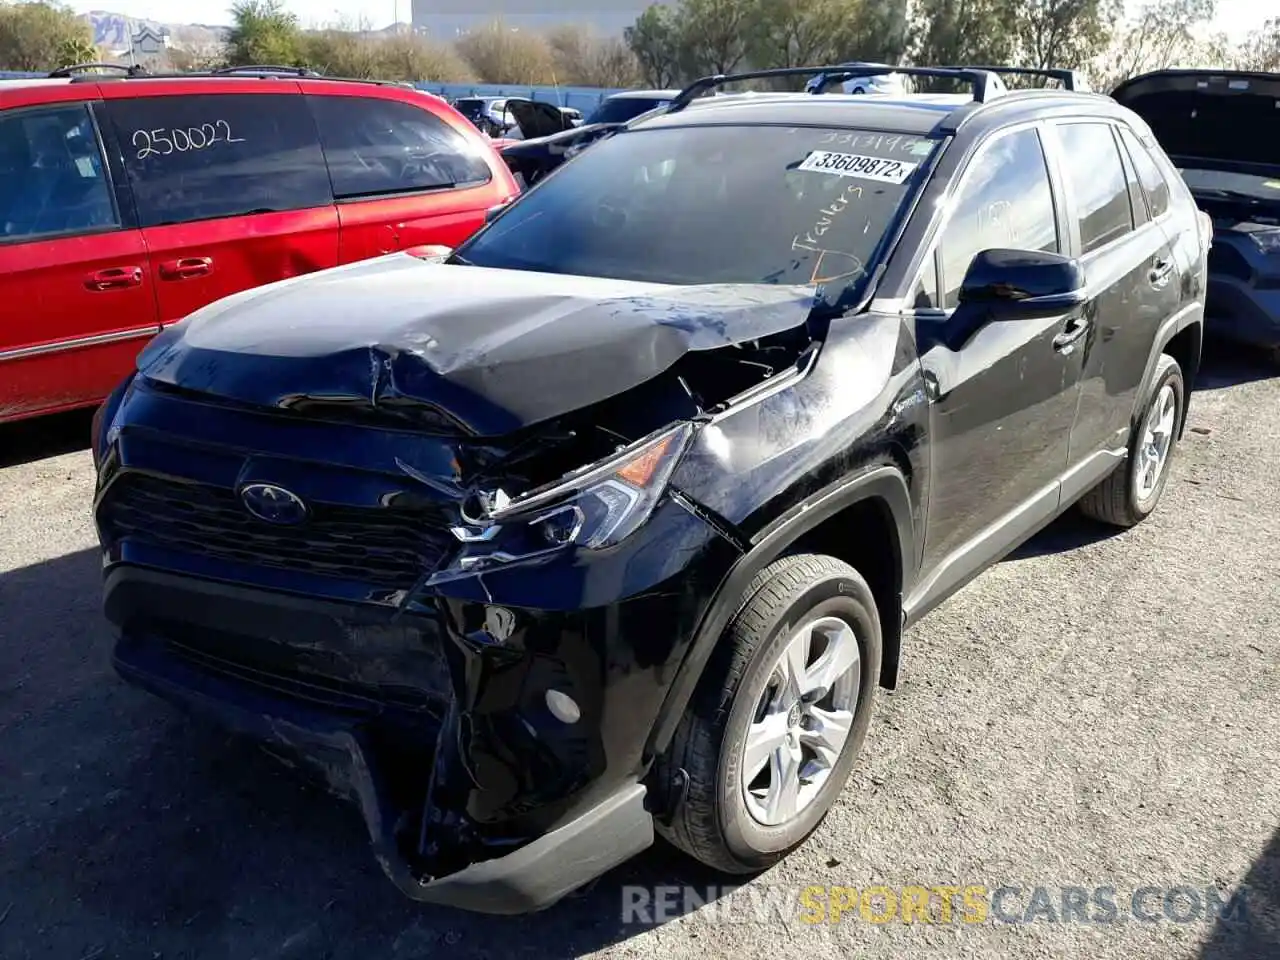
{"x": 351, "y": 740}
{"x": 434, "y": 718}
{"x": 529, "y": 879}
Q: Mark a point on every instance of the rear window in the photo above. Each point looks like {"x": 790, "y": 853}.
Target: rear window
{"x": 207, "y": 156}
{"x": 716, "y": 204}
{"x": 376, "y": 147}
{"x": 1154, "y": 187}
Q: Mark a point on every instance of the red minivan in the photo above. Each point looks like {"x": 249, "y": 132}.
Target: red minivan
{"x": 125, "y": 204}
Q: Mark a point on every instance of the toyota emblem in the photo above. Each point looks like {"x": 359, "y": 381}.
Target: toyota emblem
{"x": 273, "y": 504}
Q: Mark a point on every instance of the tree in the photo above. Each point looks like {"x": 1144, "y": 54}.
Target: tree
{"x": 502, "y": 54}
{"x": 712, "y": 36}
{"x": 43, "y": 35}
{"x": 1262, "y": 51}
{"x": 197, "y": 57}
{"x": 794, "y": 33}
{"x": 414, "y": 57}
{"x": 1063, "y": 33}
{"x": 653, "y": 41}
{"x": 264, "y": 32}
{"x": 964, "y": 31}
{"x": 584, "y": 59}
{"x": 73, "y": 50}
{"x": 1165, "y": 33}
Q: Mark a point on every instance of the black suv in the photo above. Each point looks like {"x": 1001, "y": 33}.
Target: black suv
{"x": 1218, "y": 128}
{"x": 613, "y": 518}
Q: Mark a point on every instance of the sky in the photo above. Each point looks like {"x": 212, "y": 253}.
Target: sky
{"x": 1235, "y": 17}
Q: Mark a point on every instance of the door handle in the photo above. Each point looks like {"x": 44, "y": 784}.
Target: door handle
{"x": 1160, "y": 271}
{"x": 114, "y": 278}
{"x": 1066, "y": 341}
{"x": 186, "y": 268}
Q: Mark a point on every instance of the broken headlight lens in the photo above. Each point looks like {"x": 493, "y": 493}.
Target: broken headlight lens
{"x": 1268, "y": 241}
{"x": 597, "y": 507}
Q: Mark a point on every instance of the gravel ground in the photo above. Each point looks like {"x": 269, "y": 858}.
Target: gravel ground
{"x": 1096, "y": 711}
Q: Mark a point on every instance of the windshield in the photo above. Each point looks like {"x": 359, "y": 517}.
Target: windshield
{"x": 622, "y": 109}
{"x": 715, "y": 204}
{"x": 1233, "y": 184}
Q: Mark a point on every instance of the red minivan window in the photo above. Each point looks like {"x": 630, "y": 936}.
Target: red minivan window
{"x": 403, "y": 176}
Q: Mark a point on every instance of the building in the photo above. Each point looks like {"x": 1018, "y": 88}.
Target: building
{"x": 446, "y": 19}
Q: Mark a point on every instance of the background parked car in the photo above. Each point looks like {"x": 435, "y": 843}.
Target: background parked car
{"x": 126, "y": 204}
{"x": 535, "y": 157}
{"x": 1219, "y": 130}
{"x": 888, "y": 83}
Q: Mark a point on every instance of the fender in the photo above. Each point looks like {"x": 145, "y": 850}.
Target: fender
{"x": 1191, "y": 315}
{"x": 879, "y": 482}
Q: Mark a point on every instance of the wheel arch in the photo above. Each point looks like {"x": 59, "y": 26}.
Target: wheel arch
{"x": 1182, "y": 337}
{"x": 878, "y": 495}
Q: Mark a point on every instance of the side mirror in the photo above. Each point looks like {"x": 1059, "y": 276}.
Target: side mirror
{"x": 431, "y": 252}
{"x": 1023, "y": 284}
{"x": 495, "y": 211}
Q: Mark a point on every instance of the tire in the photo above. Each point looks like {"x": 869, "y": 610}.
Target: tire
{"x": 714, "y": 823}
{"x": 1120, "y": 500}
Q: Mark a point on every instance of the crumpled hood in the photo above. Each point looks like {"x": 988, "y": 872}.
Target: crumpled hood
{"x": 492, "y": 350}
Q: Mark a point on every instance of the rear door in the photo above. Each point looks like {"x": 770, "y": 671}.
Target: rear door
{"x": 1128, "y": 258}
{"x": 76, "y": 298}
{"x": 230, "y": 185}
{"x": 402, "y": 175}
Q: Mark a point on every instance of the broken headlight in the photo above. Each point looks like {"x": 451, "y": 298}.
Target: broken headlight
{"x": 1268, "y": 241}
{"x": 596, "y": 507}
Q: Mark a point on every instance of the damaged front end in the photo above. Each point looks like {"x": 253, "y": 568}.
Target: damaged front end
{"x": 471, "y": 626}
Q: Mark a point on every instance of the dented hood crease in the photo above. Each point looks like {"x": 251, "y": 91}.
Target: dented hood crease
{"x": 494, "y": 350}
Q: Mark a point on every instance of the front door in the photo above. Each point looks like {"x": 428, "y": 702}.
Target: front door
{"x": 231, "y": 191}
{"x": 76, "y": 298}
{"x": 1003, "y": 394}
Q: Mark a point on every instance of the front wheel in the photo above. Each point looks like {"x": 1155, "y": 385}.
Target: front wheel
{"x": 779, "y": 715}
{"x": 1131, "y": 493}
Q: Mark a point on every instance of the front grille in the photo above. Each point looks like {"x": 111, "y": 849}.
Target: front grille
{"x": 378, "y": 547}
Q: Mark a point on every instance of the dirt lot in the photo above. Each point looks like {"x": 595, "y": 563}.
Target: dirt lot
{"x": 1097, "y": 711}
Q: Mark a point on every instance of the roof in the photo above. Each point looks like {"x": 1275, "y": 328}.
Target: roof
{"x": 646, "y": 94}
{"x": 914, "y": 114}
{"x": 20, "y": 83}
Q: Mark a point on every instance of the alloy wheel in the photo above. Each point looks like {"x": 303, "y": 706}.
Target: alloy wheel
{"x": 1157, "y": 441}
{"x": 802, "y": 720}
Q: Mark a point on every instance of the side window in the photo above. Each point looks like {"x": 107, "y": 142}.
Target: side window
{"x": 52, "y": 177}
{"x": 1093, "y": 166}
{"x": 1139, "y": 211}
{"x": 925, "y": 294}
{"x": 220, "y": 155}
{"x": 382, "y": 146}
{"x": 1006, "y": 201}
{"x": 1149, "y": 175}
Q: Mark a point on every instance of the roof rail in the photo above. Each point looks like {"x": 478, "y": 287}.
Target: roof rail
{"x": 130, "y": 70}
{"x": 256, "y": 69}
{"x": 986, "y": 85}
{"x": 1072, "y": 80}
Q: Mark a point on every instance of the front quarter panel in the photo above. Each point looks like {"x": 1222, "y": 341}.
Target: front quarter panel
{"x": 863, "y": 402}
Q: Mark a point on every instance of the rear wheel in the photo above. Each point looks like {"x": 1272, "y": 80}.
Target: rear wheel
{"x": 779, "y": 716}
{"x": 1131, "y": 493}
